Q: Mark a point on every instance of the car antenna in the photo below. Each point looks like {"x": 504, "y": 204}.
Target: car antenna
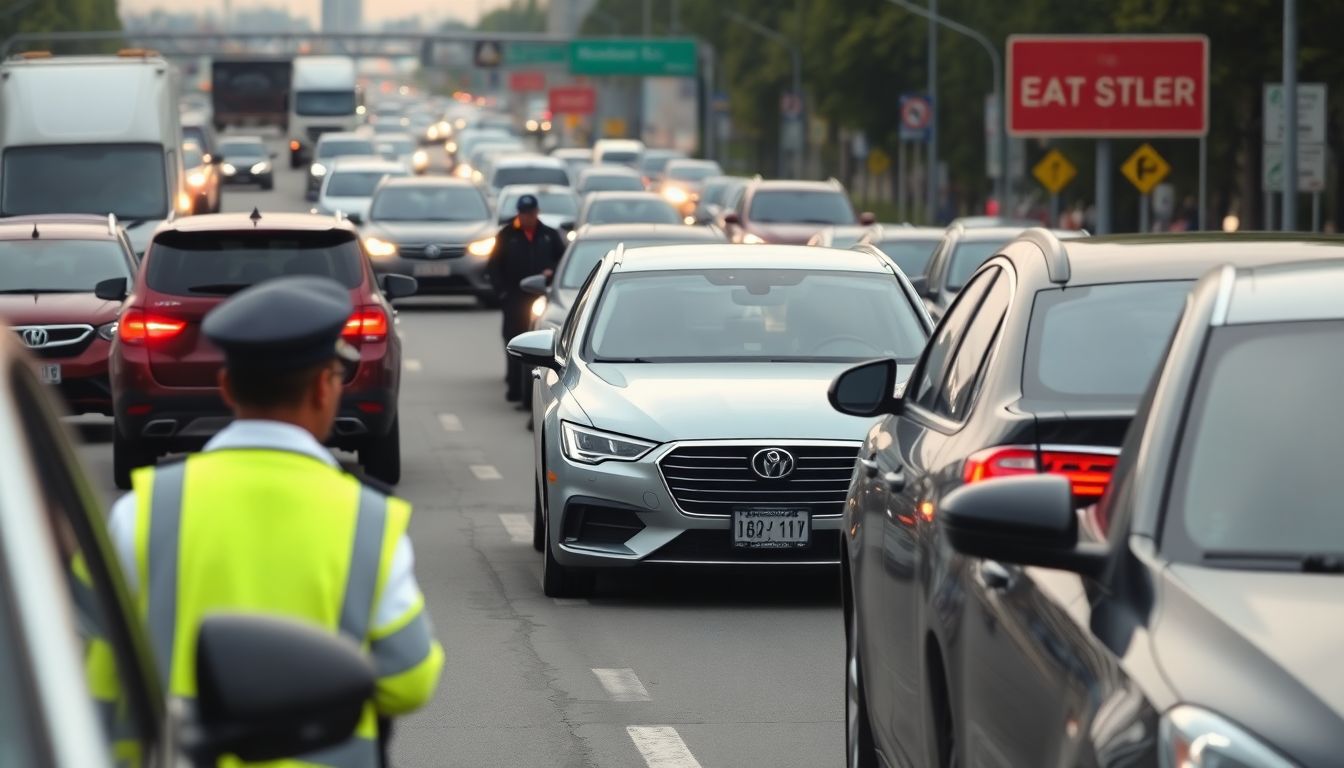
{"x": 255, "y": 217}
{"x": 36, "y": 234}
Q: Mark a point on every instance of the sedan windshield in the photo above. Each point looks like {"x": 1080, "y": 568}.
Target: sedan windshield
{"x": 1264, "y": 408}
{"x": 126, "y": 179}
{"x": 585, "y": 253}
{"x": 753, "y": 315}
{"x": 778, "y": 206}
{"x": 652, "y": 210}
{"x": 59, "y": 266}
{"x": 611, "y": 183}
{"x": 397, "y": 146}
{"x": 912, "y": 256}
{"x": 354, "y": 183}
{"x": 242, "y": 151}
{"x": 428, "y": 204}
{"x": 344, "y": 147}
{"x": 693, "y": 172}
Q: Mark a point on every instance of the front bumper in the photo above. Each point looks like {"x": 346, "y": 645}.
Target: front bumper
{"x": 621, "y": 514}
{"x": 247, "y": 177}
{"x": 465, "y": 274}
{"x": 84, "y": 384}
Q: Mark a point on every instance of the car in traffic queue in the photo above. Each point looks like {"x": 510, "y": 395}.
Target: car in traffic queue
{"x": 246, "y": 160}
{"x": 331, "y": 146}
{"x": 52, "y": 269}
{"x": 508, "y": 171}
{"x": 69, "y": 618}
{"x": 653, "y": 163}
{"x": 677, "y": 417}
{"x": 1037, "y": 369}
{"x": 196, "y": 128}
{"x": 608, "y": 178}
{"x": 165, "y": 372}
{"x": 789, "y": 212}
{"x": 403, "y": 148}
{"x": 349, "y": 186}
{"x": 575, "y": 159}
{"x": 715, "y": 194}
{"x": 202, "y": 179}
{"x": 838, "y": 237}
{"x": 958, "y": 255}
{"x": 682, "y": 180}
{"x": 460, "y": 147}
{"x": 626, "y": 152}
{"x": 1218, "y": 591}
{"x": 625, "y": 208}
{"x": 909, "y": 246}
{"x": 437, "y": 229}
{"x": 558, "y": 205}
{"x": 477, "y": 163}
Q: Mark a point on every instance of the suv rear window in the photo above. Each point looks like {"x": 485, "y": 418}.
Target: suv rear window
{"x": 223, "y": 263}
{"x": 1099, "y": 344}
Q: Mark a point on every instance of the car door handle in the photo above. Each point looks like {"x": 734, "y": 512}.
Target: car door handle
{"x": 895, "y": 481}
{"x": 869, "y": 467}
{"x": 995, "y": 575}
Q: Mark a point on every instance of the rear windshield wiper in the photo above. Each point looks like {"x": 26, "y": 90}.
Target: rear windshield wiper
{"x": 223, "y": 289}
{"x": 1314, "y": 562}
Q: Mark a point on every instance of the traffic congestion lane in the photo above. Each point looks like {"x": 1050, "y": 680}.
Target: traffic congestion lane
{"x": 668, "y": 668}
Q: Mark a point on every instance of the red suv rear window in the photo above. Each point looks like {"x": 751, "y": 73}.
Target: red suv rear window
{"x": 223, "y": 263}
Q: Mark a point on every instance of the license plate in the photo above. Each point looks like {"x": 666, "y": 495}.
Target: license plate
{"x": 433, "y": 270}
{"x": 50, "y": 374}
{"x": 772, "y": 528}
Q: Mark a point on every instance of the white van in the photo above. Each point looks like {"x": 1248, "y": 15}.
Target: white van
{"x": 618, "y": 152}
{"x": 324, "y": 98}
{"x": 92, "y": 134}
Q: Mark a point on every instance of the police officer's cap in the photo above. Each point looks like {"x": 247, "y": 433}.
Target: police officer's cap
{"x": 528, "y": 203}
{"x": 283, "y": 325}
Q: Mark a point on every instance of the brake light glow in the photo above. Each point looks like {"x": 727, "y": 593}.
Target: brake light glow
{"x": 1088, "y": 472}
{"x": 137, "y": 327}
{"x": 366, "y": 324}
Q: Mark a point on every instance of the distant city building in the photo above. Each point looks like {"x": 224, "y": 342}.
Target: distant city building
{"x": 342, "y": 15}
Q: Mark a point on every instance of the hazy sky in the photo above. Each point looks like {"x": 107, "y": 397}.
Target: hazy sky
{"x": 375, "y": 11}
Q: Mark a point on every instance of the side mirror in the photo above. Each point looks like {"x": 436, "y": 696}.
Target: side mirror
{"x": 271, "y": 688}
{"x": 1026, "y": 520}
{"x": 867, "y": 218}
{"x": 866, "y": 390}
{"x": 535, "y": 348}
{"x": 732, "y": 219}
{"x": 535, "y": 285}
{"x": 399, "y": 286}
{"x": 111, "y": 289}
{"x": 354, "y": 218}
{"x": 921, "y": 285}
{"x": 566, "y": 226}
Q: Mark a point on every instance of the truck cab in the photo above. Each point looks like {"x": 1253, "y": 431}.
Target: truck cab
{"x": 325, "y": 99}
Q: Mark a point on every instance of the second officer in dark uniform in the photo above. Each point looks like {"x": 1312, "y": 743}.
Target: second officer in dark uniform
{"x": 523, "y": 248}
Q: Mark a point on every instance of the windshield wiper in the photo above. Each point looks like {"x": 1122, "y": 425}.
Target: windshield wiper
{"x": 622, "y": 360}
{"x": 132, "y": 223}
{"x": 224, "y": 289}
{"x": 1312, "y": 562}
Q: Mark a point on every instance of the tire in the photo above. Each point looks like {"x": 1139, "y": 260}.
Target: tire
{"x": 381, "y": 457}
{"x": 128, "y": 455}
{"x": 268, "y": 183}
{"x": 538, "y": 523}
{"x": 561, "y": 580}
{"x": 860, "y": 751}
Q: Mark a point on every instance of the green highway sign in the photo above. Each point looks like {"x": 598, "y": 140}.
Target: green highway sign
{"x": 633, "y": 56}
{"x": 533, "y": 54}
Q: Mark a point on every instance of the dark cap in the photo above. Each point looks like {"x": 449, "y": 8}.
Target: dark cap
{"x": 283, "y": 324}
{"x": 528, "y": 203}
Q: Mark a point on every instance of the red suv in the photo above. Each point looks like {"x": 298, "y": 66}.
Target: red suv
{"x": 789, "y": 211}
{"x": 164, "y": 370}
{"x": 53, "y": 271}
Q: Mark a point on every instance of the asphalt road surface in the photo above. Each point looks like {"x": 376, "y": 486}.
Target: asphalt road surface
{"x": 670, "y": 669}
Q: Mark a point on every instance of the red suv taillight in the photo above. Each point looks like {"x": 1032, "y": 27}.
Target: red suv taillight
{"x": 138, "y": 327}
{"x": 1088, "y": 472}
{"x": 366, "y": 324}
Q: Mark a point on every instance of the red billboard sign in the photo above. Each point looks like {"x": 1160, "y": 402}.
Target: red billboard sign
{"x": 573, "y": 101}
{"x": 527, "y": 81}
{"x": 1108, "y": 85}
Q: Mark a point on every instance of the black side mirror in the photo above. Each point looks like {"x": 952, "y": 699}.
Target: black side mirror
{"x": 866, "y": 390}
{"x": 354, "y": 218}
{"x": 921, "y": 285}
{"x": 271, "y": 688}
{"x": 111, "y": 289}
{"x": 1027, "y": 520}
{"x": 566, "y": 226}
{"x": 399, "y": 286}
{"x": 732, "y": 219}
{"x": 535, "y": 348}
{"x": 535, "y": 285}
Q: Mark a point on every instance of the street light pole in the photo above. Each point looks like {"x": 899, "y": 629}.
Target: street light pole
{"x": 1003, "y": 190}
{"x": 796, "y": 55}
{"x": 1289, "y": 115}
{"x": 933, "y": 180}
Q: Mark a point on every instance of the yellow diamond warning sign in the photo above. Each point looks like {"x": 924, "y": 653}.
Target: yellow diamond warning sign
{"x": 1145, "y": 169}
{"x": 1054, "y": 171}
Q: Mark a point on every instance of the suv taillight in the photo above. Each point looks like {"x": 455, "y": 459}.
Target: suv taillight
{"x": 366, "y": 324}
{"x": 1088, "y": 472}
{"x": 138, "y": 327}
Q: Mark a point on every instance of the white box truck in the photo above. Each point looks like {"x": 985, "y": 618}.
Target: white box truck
{"x": 324, "y": 99}
{"x": 92, "y": 134}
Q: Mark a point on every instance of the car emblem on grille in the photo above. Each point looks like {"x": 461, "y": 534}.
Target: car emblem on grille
{"x": 772, "y": 463}
{"x": 432, "y": 251}
{"x": 35, "y": 337}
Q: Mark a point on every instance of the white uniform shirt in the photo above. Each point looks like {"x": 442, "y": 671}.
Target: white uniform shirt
{"x": 399, "y": 596}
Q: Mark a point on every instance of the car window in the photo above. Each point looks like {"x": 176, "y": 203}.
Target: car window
{"x": 562, "y": 203}
{"x": 801, "y": 206}
{"x": 531, "y": 174}
{"x": 343, "y": 147}
{"x": 651, "y": 210}
{"x": 355, "y": 183}
{"x": 192, "y": 156}
{"x": 611, "y": 183}
{"x": 966, "y": 258}
{"x": 223, "y": 263}
{"x": 584, "y": 254}
{"x": 912, "y": 256}
{"x": 242, "y": 150}
{"x": 59, "y": 266}
{"x": 958, "y": 389}
{"x": 693, "y": 171}
{"x": 929, "y": 376}
{"x": 428, "y": 203}
{"x": 566, "y": 342}
{"x": 125, "y": 179}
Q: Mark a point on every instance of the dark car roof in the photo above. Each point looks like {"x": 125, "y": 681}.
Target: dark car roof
{"x": 304, "y": 222}
{"x": 1188, "y": 256}
{"x": 58, "y": 226}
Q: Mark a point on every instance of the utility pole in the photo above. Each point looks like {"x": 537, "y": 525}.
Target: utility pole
{"x": 933, "y": 113}
{"x": 1289, "y": 115}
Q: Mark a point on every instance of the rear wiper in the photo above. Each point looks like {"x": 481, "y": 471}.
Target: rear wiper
{"x": 1314, "y": 562}
{"x": 224, "y": 289}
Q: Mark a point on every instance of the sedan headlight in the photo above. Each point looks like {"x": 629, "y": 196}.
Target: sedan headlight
{"x": 751, "y": 239}
{"x": 318, "y": 169}
{"x": 228, "y": 170}
{"x": 463, "y": 171}
{"x": 482, "y": 247}
{"x": 379, "y": 249}
{"x": 260, "y": 168}
{"x": 450, "y": 147}
{"x": 196, "y": 179}
{"x": 1196, "y": 738}
{"x": 420, "y": 159}
{"x": 592, "y": 446}
{"x": 676, "y": 195}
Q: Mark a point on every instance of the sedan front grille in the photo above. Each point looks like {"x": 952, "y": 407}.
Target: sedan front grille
{"x": 711, "y": 480}
{"x": 47, "y": 341}
{"x": 423, "y": 252}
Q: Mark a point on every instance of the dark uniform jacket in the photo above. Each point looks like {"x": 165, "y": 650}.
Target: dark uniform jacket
{"x": 514, "y": 258}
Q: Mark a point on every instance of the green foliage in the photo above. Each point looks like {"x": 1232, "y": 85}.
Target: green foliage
{"x": 517, "y": 16}
{"x": 57, "y": 16}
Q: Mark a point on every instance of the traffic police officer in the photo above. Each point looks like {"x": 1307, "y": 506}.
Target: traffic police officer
{"x": 523, "y": 248}
{"x": 265, "y": 520}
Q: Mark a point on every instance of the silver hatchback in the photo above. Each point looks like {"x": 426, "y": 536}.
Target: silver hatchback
{"x": 682, "y": 412}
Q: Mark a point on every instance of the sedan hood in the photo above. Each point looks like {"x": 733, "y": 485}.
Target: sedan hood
{"x": 716, "y": 401}
{"x": 786, "y": 234}
{"x": 57, "y": 309}
{"x": 1281, "y": 632}
{"x": 424, "y": 232}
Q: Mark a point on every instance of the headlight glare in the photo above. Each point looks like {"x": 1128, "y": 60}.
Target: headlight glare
{"x": 676, "y": 195}
{"x": 196, "y": 179}
{"x": 260, "y": 168}
{"x": 318, "y": 169}
{"x": 593, "y": 446}
{"x": 379, "y": 249}
{"x": 539, "y": 306}
{"x": 1196, "y": 738}
{"x": 228, "y": 169}
{"x": 482, "y": 247}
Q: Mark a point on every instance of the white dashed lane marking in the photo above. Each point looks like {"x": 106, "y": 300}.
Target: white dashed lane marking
{"x": 622, "y": 684}
{"x": 518, "y": 525}
{"x": 661, "y": 746}
{"x": 450, "y": 422}
{"x": 485, "y": 472}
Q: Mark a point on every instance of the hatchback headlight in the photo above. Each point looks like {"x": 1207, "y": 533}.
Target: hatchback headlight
{"x": 379, "y": 249}
{"x": 482, "y": 247}
{"x": 260, "y": 168}
{"x": 1196, "y": 738}
{"x": 592, "y": 446}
